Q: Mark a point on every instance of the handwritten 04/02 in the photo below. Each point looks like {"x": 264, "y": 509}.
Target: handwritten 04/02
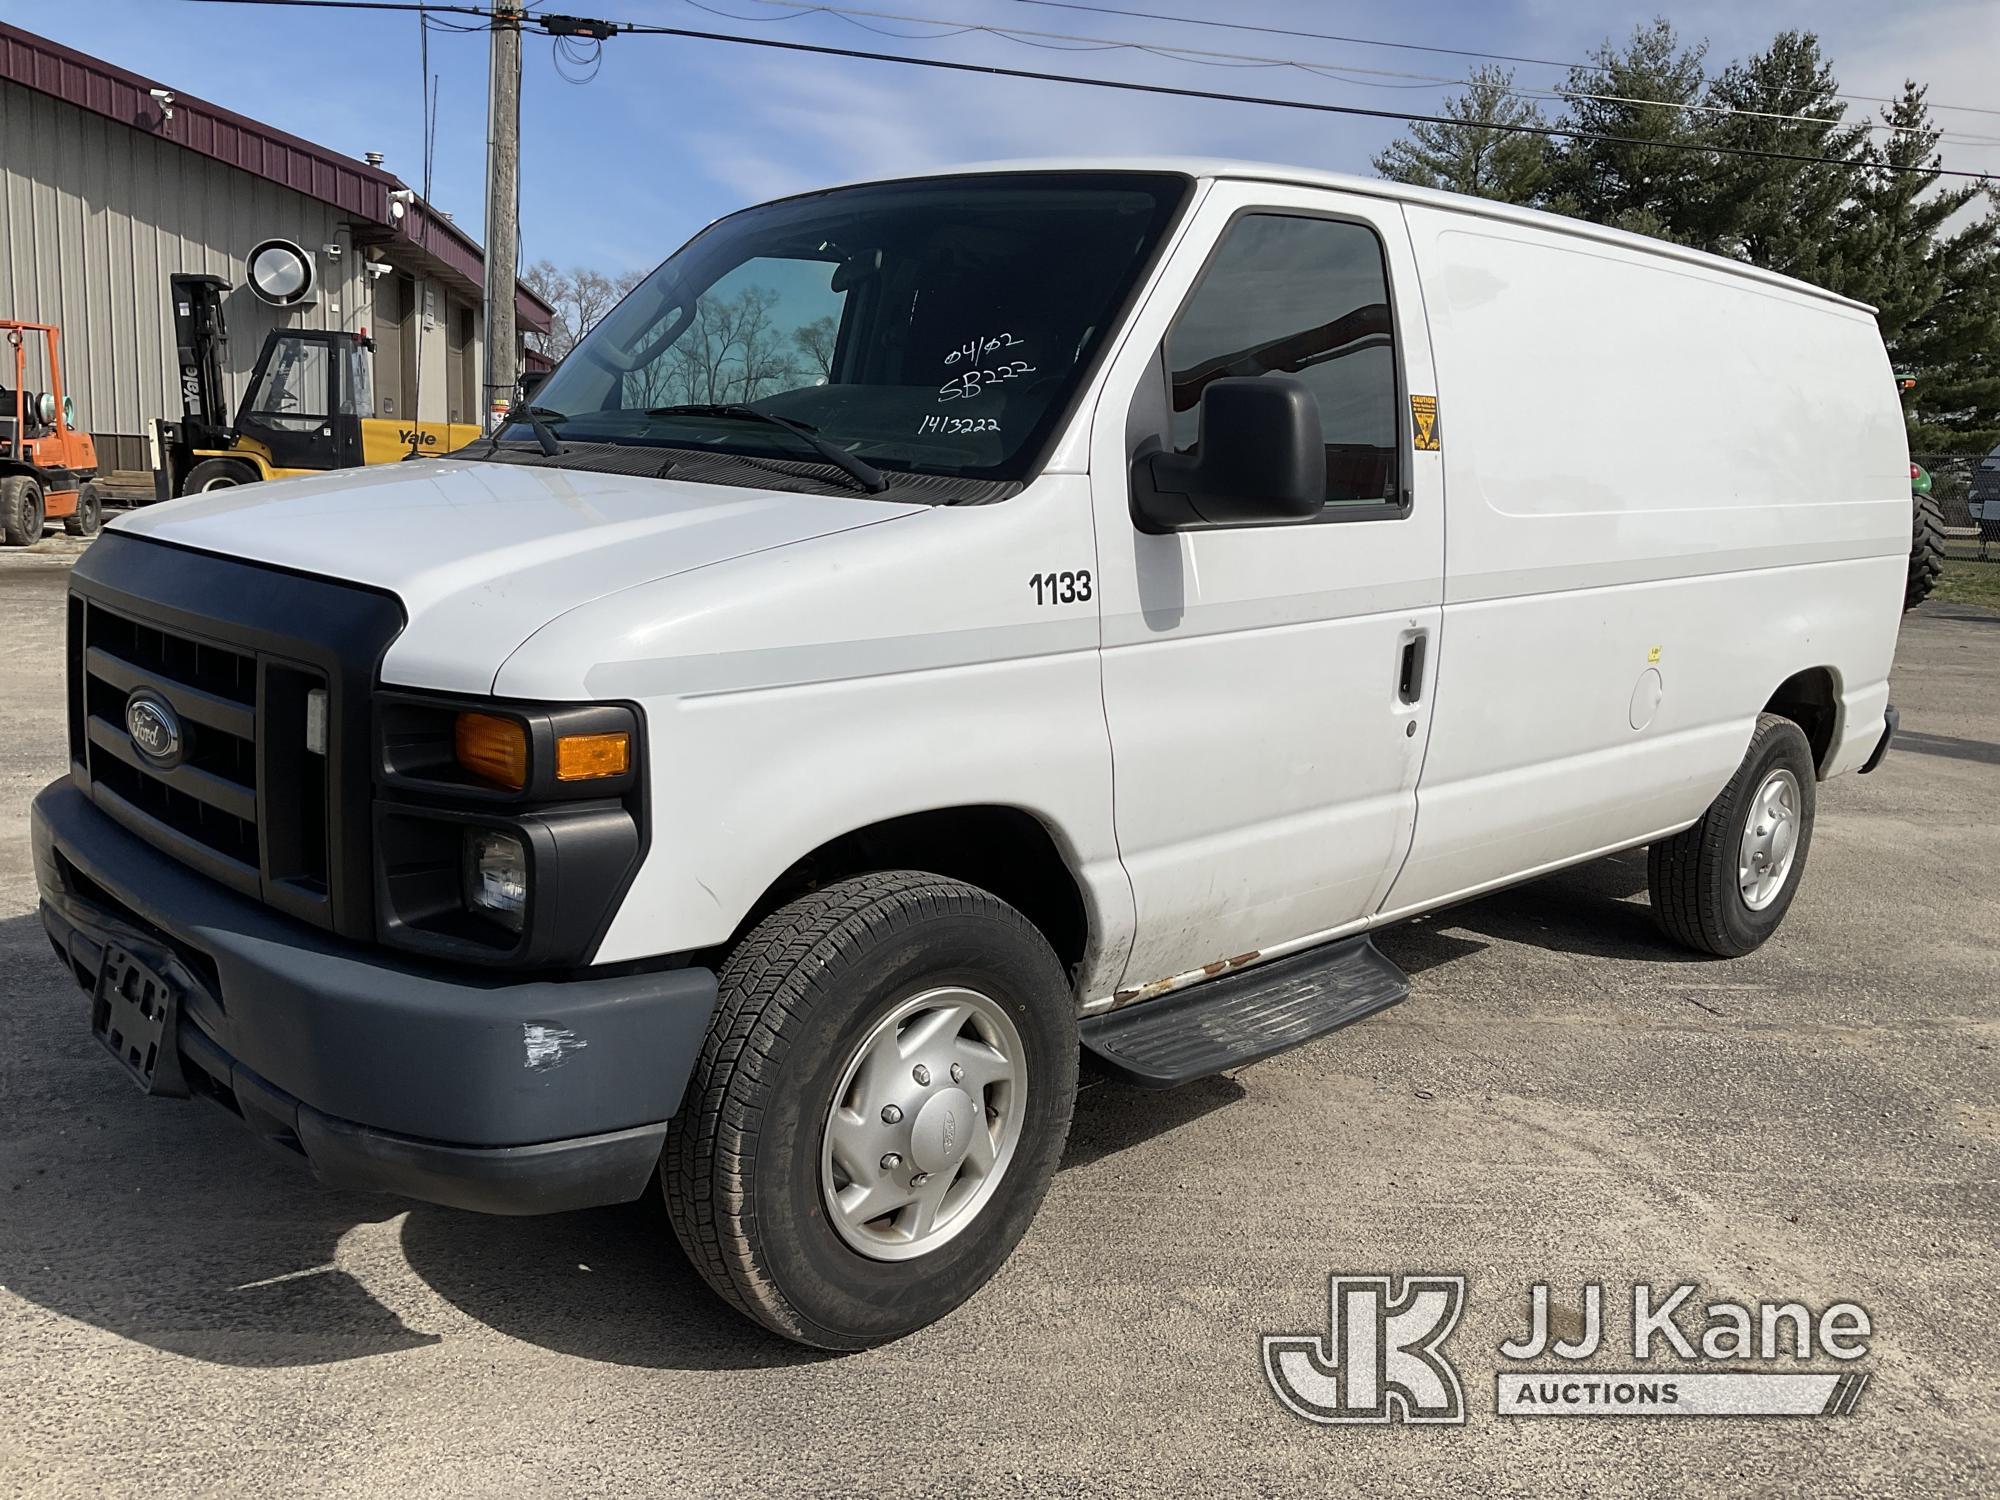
{"x": 972, "y": 349}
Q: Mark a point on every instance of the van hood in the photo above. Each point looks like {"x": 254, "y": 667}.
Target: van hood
{"x": 482, "y": 555}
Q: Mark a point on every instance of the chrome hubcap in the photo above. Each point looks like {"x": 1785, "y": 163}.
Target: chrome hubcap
{"x": 924, "y": 1123}
{"x": 1770, "y": 840}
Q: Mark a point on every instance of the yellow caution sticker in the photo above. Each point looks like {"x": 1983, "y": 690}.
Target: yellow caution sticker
{"x": 1653, "y": 656}
{"x": 1424, "y": 417}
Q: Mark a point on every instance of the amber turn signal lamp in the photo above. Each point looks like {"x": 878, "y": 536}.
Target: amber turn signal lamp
{"x": 588, "y": 757}
{"x": 492, "y": 748}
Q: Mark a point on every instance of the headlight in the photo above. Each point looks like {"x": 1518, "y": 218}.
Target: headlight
{"x": 496, "y": 876}
{"x": 506, "y": 832}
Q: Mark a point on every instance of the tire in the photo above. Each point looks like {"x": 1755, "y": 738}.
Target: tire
{"x": 751, "y": 1163}
{"x": 88, "y": 516}
{"x": 217, "y": 474}
{"x": 1926, "y": 550}
{"x": 21, "y": 511}
{"x": 1699, "y": 896}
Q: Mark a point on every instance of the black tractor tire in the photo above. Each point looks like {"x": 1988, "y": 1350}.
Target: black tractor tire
{"x": 811, "y": 984}
{"x": 217, "y": 474}
{"x": 88, "y": 516}
{"x": 22, "y": 511}
{"x": 1926, "y": 550}
{"x": 1693, "y": 877}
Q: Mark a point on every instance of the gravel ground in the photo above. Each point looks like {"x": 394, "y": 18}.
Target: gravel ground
{"x": 1562, "y": 1098}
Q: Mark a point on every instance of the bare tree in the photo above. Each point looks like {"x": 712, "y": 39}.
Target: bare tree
{"x": 730, "y": 351}
{"x": 816, "y": 340}
{"x": 580, "y": 297}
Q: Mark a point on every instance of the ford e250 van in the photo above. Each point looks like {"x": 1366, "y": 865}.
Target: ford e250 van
{"x": 936, "y": 627}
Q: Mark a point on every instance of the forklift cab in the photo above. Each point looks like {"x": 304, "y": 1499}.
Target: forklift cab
{"x": 307, "y": 400}
{"x": 309, "y": 406}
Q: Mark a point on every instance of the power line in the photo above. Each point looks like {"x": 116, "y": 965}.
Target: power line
{"x": 1339, "y": 72}
{"x": 1364, "y": 41}
{"x": 992, "y": 70}
{"x": 1311, "y": 106}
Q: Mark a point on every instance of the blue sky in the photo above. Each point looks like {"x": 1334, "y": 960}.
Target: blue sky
{"x": 671, "y": 133}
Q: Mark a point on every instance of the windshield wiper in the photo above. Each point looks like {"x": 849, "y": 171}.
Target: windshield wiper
{"x": 537, "y": 419}
{"x": 866, "y": 475}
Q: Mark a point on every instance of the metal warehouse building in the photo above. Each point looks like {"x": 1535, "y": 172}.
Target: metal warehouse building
{"x": 110, "y": 183}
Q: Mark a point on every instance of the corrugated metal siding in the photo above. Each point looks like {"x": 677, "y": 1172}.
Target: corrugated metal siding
{"x": 357, "y": 190}
{"x": 94, "y": 217}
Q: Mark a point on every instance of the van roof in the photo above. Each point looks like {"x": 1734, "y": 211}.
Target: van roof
{"x": 1378, "y": 187}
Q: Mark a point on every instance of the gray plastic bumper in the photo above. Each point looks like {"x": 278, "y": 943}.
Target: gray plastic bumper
{"x": 454, "y": 1086}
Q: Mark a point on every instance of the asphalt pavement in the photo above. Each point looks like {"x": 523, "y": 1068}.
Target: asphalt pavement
{"x": 1563, "y": 1098}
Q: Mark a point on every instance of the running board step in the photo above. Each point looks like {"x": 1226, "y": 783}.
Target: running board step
{"x": 1244, "y": 1017}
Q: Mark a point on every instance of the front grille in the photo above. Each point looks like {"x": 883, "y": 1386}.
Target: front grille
{"x": 254, "y": 663}
{"x": 206, "y": 807}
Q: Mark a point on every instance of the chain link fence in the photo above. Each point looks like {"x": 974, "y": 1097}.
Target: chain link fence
{"x": 1966, "y": 487}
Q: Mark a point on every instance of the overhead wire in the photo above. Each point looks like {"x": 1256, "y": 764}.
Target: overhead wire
{"x": 1124, "y": 85}
{"x": 1363, "y": 41}
{"x": 1339, "y": 72}
{"x": 990, "y": 70}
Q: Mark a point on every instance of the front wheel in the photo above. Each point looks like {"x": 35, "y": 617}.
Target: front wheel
{"x": 21, "y": 511}
{"x": 88, "y": 517}
{"x": 217, "y": 474}
{"x": 878, "y": 1109}
{"x": 1724, "y": 885}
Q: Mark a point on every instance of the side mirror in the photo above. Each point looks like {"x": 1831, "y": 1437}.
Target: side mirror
{"x": 1260, "y": 457}
{"x": 530, "y": 383}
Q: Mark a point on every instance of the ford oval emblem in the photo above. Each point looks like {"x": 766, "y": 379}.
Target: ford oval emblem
{"x": 154, "y": 727}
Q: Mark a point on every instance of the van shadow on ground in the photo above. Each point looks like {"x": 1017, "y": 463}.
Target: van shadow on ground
{"x": 1585, "y": 910}
{"x": 166, "y": 1224}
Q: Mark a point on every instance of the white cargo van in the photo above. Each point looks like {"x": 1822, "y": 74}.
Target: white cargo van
{"x": 934, "y": 627}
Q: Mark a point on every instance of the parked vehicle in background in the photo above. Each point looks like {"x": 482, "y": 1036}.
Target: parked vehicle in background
{"x": 1926, "y": 539}
{"x": 935, "y": 624}
{"x": 1982, "y": 501}
{"x": 48, "y": 469}
{"x": 309, "y": 407}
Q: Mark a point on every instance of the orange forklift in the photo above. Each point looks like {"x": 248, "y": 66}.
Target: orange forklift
{"x": 48, "y": 470}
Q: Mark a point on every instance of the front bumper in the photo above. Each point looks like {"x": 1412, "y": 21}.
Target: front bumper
{"x": 455, "y": 1087}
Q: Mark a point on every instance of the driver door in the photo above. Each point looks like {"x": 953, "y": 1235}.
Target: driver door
{"x": 1267, "y": 687}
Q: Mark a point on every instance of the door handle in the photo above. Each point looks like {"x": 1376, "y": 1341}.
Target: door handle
{"x": 1410, "y": 675}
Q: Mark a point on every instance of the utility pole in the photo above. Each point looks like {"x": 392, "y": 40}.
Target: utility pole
{"x": 503, "y": 176}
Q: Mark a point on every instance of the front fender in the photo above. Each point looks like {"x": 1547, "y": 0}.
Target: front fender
{"x": 798, "y": 695}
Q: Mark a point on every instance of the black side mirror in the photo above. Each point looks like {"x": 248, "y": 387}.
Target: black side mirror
{"x": 532, "y": 382}
{"x": 1260, "y": 457}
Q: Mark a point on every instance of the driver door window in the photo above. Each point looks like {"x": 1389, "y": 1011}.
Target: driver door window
{"x": 1306, "y": 298}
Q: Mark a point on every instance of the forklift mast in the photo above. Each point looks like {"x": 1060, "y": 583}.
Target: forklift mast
{"x": 200, "y": 337}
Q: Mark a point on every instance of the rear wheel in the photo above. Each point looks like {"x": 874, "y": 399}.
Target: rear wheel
{"x": 1926, "y": 550}
{"x": 217, "y": 474}
{"x": 1724, "y": 885}
{"x": 878, "y": 1110}
{"x": 89, "y": 513}
{"x": 21, "y": 511}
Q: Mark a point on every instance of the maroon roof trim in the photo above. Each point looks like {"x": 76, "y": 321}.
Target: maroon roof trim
{"x": 264, "y": 151}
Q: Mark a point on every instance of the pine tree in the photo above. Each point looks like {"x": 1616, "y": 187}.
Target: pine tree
{"x": 1627, "y": 163}
{"x": 1784, "y": 215}
{"x": 1881, "y": 226}
{"x": 1471, "y": 155}
{"x": 1936, "y": 288}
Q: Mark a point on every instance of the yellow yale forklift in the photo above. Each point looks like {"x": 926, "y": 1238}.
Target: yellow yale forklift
{"x": 310, "y": 406}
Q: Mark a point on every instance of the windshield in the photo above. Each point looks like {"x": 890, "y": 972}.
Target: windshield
{"x": 939, "y": 326}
